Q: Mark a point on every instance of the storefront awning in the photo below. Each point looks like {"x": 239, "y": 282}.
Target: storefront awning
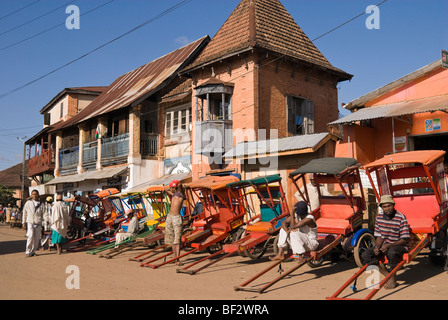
{"x": 89, "y": 175}
{"x": 431, "y": 104}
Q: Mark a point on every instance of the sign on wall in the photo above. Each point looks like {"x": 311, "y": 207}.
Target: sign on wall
{"x": 433, "y": 125}
{"x": 400, "y": 144}
{"x": 445, "y": 59}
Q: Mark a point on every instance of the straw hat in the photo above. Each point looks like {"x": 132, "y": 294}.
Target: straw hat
{"x": 386, "y": 199}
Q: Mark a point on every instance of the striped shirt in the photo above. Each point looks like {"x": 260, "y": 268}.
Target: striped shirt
{"x": 392, "y": 229}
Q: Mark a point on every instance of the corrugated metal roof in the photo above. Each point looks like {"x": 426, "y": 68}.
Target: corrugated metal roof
{"x": 136, "y": 85}
{"x": 90, "y": 175}
{"x": 272, "y": 146}
{"x": 361, "y": 101}
{"x": 429, "y": 104}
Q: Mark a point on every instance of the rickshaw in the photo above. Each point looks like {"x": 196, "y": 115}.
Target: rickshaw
{"x": 338, "y": 217}
{"x": 160, "y": 202}
{"x": 218, "y": 222}
{"x": 135, "y": 201}
{"x": 262, "y": 227}
{"x": 416, "y": 181}
{"x": 263, "y": 224}
{"x": 107, "y": 213}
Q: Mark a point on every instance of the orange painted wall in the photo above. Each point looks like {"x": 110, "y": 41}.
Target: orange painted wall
{"x": 433, "y": 84}
{"x": 418, "y": 127}
{"x": 371, "y": 143}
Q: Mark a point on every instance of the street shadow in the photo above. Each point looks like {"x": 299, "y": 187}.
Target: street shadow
{"x": 9, "y": 247}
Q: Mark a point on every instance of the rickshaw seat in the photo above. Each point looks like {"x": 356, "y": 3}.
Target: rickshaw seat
{"x": 420, "y": 211}
{"x": 335, "y": 226}
{"x": 334, "y": 214}
{"x": 267, "y": 214}
{"x": 260, "y": 226}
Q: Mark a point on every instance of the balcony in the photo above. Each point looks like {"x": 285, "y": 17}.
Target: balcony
{"x": 68, "y": 159}
{"x": 115, "y": 149}
{"x": 89, "y": 155}
{"x": 213, "y": 136}
{"x": 149, "y": 145}
{"x": 42, "y": 163}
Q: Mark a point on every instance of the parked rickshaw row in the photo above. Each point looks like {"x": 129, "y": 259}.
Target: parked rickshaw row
{"x": 226, "y": 216}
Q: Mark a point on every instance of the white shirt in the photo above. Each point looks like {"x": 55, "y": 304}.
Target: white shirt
{"x": 310, "y": 232}
{"x": 59, "y": 218}
{"x": 33, "y": 212}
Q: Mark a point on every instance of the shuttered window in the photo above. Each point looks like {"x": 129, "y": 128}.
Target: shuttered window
{"x": 300, "y": 119}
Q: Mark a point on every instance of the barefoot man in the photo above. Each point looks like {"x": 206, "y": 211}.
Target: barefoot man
{"x": 173, "y": 224}
{"x": 392, "y": 238}
{"x": 300, "y": 231}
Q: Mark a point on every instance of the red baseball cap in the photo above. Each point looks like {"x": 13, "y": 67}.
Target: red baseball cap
{"x": 174, "y": 183}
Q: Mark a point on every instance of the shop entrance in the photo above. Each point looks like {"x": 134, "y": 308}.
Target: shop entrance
{"x": 430, "y": 142}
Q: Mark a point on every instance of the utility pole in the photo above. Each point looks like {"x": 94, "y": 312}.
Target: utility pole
{"x": 23, "y": 172}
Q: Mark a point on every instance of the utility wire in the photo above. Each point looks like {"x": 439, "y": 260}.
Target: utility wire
{"x": 20, "y": 9}
{"x": 343, "y": 24}
{"x": 160, "y": 15}
{"x": 322, "y": 35}
{"x": 54, "y": 27}
{"x": 32, "y": 20}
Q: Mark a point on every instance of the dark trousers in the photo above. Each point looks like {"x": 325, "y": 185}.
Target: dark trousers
{"x": 394, "y": 255}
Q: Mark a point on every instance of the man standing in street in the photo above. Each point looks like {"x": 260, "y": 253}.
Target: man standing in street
{"x": 32, "y": 220}
{"x": 174, "y": 224}
{"x": 59, "y": 223}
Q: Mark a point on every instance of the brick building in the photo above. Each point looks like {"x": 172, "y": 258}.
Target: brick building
{"x": 261, "y": 79}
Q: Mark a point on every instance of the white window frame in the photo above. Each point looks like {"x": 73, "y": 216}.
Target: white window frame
{"x": 177, "y": 113}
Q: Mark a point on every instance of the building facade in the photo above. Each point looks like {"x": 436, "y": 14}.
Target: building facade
{"x": 404, "y": 115}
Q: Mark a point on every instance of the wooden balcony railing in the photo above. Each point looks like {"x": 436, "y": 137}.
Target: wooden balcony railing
{"x": 42, "y": 163}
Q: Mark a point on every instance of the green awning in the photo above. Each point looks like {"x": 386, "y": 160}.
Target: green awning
{"x": 325, "y": 166}
{"x": 255, "y": 181}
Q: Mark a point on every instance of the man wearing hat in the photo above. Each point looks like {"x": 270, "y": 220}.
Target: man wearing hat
{"x": 173, "y": 223}
{"x": 300, "y": 231}
{"x": 133, "y": 227}
{"x": 392, "y": 237}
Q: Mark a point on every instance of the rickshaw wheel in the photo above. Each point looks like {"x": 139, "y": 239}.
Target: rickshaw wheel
{"x": 257, "y": 251}
{"x": 315, "y": 263}
{"x": 214, "y": 248}
{"x": 366, "y": 241}
{"x": 438, "y": 255}
{"x": 71, "y": 233}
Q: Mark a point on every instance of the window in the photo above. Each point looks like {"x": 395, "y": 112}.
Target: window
{"x": 183, "y": 121}
{"x": 177, "y": 121}
{"x": 62, "y": 110}
{"x": 300, "y": 115}
{"x": 219, "y": 107}
{"x": 168, "y": 124}
{"x": 214, "y": 101}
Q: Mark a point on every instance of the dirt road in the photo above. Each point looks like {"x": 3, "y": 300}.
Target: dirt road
{"x": 45, "y": 277}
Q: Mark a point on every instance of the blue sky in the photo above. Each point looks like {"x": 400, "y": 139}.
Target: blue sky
{"x": 411, "y": 35}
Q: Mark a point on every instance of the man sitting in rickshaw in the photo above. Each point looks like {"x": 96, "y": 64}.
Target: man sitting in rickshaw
{"x": 299, "y": 231}
{"x": 392, "y": 238}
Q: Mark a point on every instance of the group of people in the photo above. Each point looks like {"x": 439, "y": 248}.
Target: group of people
{"x": 391, "y": 232}
{"x": 9, "y": 213}
{"x": 298, "y": 230}
{"x": 49, "y": 216}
